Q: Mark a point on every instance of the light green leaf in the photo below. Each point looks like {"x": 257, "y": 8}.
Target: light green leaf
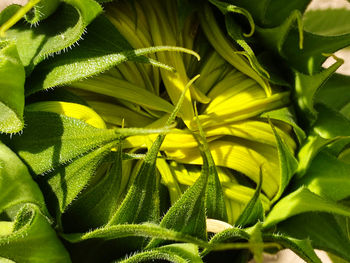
{"x": 327, "y": 176}
{"x": 36, "y": 43}
{"x": 328, "y": 22}
{"x": 60, "y": 140}
{"x": 11, "y": 88}
{"x": 301, "y": 247}
{"x": 42, "y": 10}
{"x": 32, "y": 239}
{"x": 322, "y": 231}
{"x": 16, "y": 185}
{"x": 302, "y": 201}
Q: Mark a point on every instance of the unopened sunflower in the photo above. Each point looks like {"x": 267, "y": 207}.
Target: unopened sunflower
{"x": 181, "y": 131}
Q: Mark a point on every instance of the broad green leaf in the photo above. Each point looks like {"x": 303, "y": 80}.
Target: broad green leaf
{"x": 254, "y": 210}
{"x": 306, "y": 87}
{"x": 328, "y": 22}
{"x": 322, "y": 231}
{"x": 178, "y": 253}
{"x": 302, "y": 201}
{"x": 327, "y": 176}
{"x": 271, "y": 13}
{"x": 16, "y": 185}
{"x": 36, "y": 43}
{"x": 100, "y": 201}
{"x": 11, "y": 89}
{"x": 302, "y": 247}
{"x": 32, "y": 239}
{"x": 60, "y": 140}
{"x": 288, "y": 164}
{"x": 62, "y": 186}
{"x": 138, "y": 230}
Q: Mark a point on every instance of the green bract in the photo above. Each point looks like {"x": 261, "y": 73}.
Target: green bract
{"x": 177, "y": 130}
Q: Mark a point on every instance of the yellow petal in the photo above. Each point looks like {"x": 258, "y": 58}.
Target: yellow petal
{"x": 69, "y": 109}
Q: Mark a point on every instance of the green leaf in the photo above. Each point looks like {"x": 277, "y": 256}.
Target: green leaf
{"x": 329, "y": 22}
{"x": 60, "y": 140}
{"x": 62, "y": 186}
{"x": 135, "y": 230}
{"x": 178, "y": 253}
{"x": 329, "y": 93}
{"x": 11, "y": 88}
{"x": 301, "y": 247}
{"x": 306, "y": 87}
{"x": 16, "y": 185}
{"x": 187, "y": 215}
{"x": 254, "y": 210}
{"x": 229, "y": 235}
{"x": 302, "y": 201}
{"x": 327, "y": 176}
{"x": 331, "y": 124}
{"x": 272, "y": 13}
{"x": 36, "y": 43}
{"x": 100, "y": 201}
{"x": 98, "y": 52}
{"x": 288, "y": 164}
{"x": 32, "y": 239}
{"x": 42, "y": 10}
{"x": 321, "y": 229}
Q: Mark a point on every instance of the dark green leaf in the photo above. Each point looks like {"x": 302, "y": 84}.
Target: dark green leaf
{"x": 254, "y": 210}
{"x": 62, "y": 186}
{"x": 288, "y": 164}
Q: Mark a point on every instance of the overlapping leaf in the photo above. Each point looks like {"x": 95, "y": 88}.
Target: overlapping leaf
{"x": 11, "y": 89}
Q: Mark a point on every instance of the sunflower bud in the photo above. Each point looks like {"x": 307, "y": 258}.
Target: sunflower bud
{"x": 234, "y": 101}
